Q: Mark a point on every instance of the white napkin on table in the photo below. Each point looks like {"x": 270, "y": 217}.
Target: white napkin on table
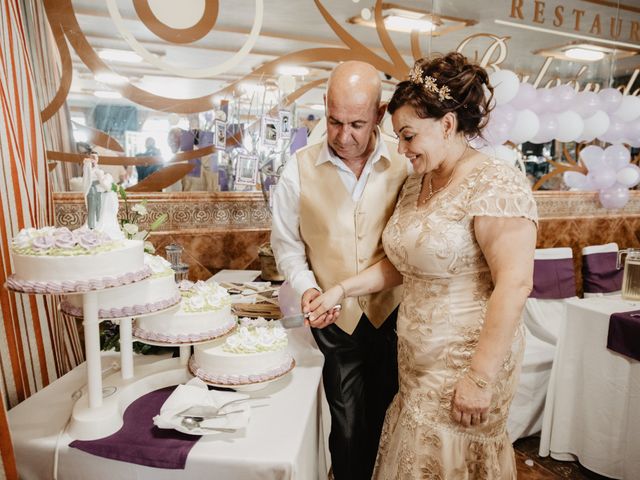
{"x": 196, "y": 394}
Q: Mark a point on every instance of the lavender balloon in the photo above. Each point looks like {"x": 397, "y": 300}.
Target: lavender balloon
{"x": 497, "y": 131}
{"x": 548, "y": 128}
{"x": 628, "y": 176}
{"x": 617, "y": 157}
{"x": 586, "y": 104}
{"x": 602, "y": 178}
{"x": 632, "y": 134}
{"x": 614, "y": 197}
{"x": 592, "y": 157}
{"x": 525, "y": 98}
{"x": 576, "y": 180}
{"x": 545, "y": 101}
{"x": 564, "y": 96}
{"x": 610, "y": 99}
{"x": 615, "y": 133}
{"x": 288, "y": 300}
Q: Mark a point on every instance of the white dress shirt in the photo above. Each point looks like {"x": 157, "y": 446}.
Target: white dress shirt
{"x": 288, "y": 247}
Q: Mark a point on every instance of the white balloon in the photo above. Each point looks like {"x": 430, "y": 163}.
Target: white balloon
{"x": 501, "y": 152}
{"x": 525, "y": 127}
{"x": 570, "y": 126}
{"x": 628, "y": 176}
{"x": 595, "y": 125}
{"x": 505, "y": 86}
{"x": 629, "y": 108}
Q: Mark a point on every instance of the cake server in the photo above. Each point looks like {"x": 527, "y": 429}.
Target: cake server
{"x": 294, "y": 321}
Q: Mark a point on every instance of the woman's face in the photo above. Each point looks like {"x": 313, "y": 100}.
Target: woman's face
{"x": 421, "y": 140}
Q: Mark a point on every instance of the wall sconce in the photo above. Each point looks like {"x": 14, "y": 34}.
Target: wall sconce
{"x": 584, "y": 52}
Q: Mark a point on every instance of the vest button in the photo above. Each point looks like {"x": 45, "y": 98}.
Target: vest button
{"x": 360, "y": 236}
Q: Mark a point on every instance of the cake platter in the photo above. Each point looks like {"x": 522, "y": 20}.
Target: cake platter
{"x": 157, "y": 343}
{"x": 122, "y": 313}
{"x": 246, "y": 387}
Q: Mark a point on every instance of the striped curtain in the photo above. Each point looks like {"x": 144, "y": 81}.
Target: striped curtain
{"x": 26, "y": 349}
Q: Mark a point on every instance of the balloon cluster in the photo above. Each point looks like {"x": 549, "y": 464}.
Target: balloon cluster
{"x": 609, "y": 171}
{"x": 526, "y": 114}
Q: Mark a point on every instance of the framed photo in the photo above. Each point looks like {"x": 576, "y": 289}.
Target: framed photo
{"x": 269, "y": 133}
{"x": 246, "y": 170}
{"x": 221, "y": 134}
{"x": 285, "y": 123}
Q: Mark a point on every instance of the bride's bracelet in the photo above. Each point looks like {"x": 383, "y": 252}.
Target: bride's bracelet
{"x": 344, "y": 290}
{"x": 480, "y": 382}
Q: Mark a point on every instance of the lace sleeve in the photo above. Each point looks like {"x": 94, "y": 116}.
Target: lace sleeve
{"x": 502, "y": 191}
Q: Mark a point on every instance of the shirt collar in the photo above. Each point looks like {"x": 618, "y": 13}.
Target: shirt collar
{"x": 379, "y": 152}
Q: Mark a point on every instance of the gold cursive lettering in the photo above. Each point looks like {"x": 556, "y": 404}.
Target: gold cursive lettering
{"x": 498, "y": 43}
{"x": 635, "y": 27}
{"x": 559, "y": 10}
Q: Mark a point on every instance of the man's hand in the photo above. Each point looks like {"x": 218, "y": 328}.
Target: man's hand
{"x": 307, "y": 297}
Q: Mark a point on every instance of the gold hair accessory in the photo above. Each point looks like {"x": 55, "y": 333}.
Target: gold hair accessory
{"x": 429, "y": 84}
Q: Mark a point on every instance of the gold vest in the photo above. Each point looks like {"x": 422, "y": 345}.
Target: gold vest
{"x": 343, "y": 237}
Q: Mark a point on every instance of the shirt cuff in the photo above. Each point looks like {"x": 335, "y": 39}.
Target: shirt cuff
{"x": 305, "y": 281}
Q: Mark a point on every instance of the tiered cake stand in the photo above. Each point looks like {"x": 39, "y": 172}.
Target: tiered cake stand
{"x": 98, "y": 411}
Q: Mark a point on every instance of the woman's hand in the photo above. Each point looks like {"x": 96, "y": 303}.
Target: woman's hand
{"x": 321, "y": 310}
{"x": 470, "y": 405}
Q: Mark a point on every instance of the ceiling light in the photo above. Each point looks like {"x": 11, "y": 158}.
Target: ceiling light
{"x": 107, "y": 94}
{"x": 584, "y": 54}
{"x": 293, "y": 70}
{"x": 123, "y": 56}
{"x": 404, "y": 19}
{"x": 110, "y": 78}
{"x": 406, "y": 24}
{"x": 317, "y": 106}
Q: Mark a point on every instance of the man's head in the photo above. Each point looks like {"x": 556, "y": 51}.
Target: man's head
{"x": 353, "y": 109}
{"x": 150, "y": 142}
{"x": 173, "y": 139}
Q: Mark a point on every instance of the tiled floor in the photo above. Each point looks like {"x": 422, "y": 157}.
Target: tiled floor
{"x": 546, "y": 468}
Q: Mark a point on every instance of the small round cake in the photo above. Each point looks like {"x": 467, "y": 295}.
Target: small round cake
{"x": 256, "y": 352}
{"x": 204, "y": 314}
{"x": 158, "y": 292}
{"x": 57, "y": 260}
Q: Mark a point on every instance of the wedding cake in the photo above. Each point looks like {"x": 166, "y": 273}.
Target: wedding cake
{"x": 255, "y": 353}
{"x": 204, "y": 314}
{"x": 158, "y": 292}
{"x": 58, "y": 260}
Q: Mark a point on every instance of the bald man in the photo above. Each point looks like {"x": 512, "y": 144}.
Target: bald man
{"x": 329, "y": 209}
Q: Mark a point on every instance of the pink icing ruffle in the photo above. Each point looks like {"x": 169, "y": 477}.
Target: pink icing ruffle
{"x": 126, "y": 311}
{"x": 75, "y": 286}
{"x": 232, "y": 379}
{"x": 160, "y": 337}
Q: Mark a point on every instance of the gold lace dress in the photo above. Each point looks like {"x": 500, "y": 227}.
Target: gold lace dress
{"x": 446, "y": 287}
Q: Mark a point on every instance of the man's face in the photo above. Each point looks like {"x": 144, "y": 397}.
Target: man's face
{"x": 351, "y": 120}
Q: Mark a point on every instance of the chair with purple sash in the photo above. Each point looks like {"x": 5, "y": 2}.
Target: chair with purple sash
{"x": 544, "y": 317}
{"x": 599, "y": 273}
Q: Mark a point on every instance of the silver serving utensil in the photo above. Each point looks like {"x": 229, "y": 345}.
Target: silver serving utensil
{"x": 206, "y": 411}
{"x": 191, "y": 423}
{"x": 295, "y": 321}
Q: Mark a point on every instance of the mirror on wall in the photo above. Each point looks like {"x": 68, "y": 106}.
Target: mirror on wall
{"x": 207, "y": 95}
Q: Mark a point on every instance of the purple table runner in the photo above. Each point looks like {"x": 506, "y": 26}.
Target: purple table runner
{"x": 624, "y": 334}
{"x": 599, "y": 273}
{"x": 140, "y": 441}
{"x": 553, "y": 279}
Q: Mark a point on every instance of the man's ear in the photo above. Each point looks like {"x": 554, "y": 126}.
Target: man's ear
{"x": 381, "y": 111}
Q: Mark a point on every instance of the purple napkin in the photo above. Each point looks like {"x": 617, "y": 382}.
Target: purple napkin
{"x": 599, "y": 273}
{"x": 624, "y": 334}
{"x": 553, "y": 279}
{"x": 140, "y": 441}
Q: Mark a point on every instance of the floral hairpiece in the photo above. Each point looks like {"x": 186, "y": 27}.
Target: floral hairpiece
{"x": 429, "y": 84}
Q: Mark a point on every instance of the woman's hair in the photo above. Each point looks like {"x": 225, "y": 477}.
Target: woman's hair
{"x": 443, "y": 84}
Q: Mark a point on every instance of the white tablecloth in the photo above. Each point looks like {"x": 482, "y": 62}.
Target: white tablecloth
{"x": 592, "y": 410}
{"x": 285, "y": 440}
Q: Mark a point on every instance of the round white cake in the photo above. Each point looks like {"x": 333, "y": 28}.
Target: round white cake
{"x": 57, "y": 260}
{"x": 256, "y": 352}
{"x": 204, "y": 314}
{"x": 158, "y": 292}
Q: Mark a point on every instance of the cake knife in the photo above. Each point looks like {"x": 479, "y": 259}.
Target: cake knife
{"x": 294, "y": 321}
